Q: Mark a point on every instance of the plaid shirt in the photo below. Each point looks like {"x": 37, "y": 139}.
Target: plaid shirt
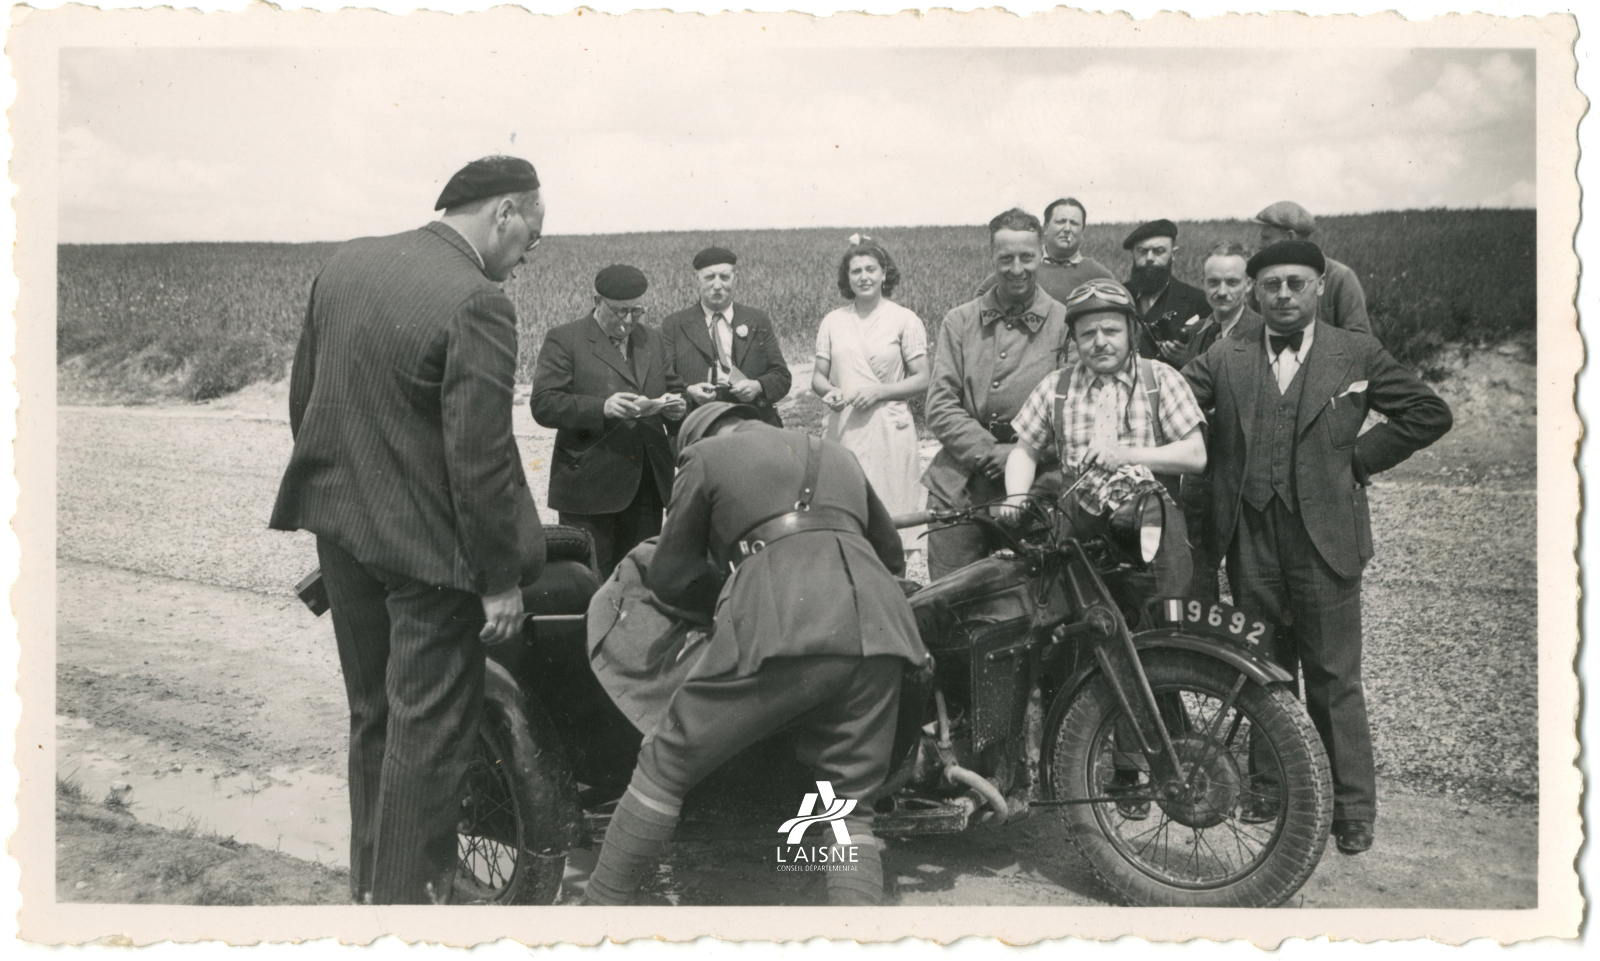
{"x": 1138, "y": 425}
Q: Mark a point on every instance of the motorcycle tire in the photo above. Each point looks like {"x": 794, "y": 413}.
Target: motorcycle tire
{"x": 1255, "y": 822}
{"x": 563, "y": 542}
{"x": 495, "y": 866}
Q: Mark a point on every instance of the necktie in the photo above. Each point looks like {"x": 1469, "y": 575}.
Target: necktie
{"x": 621, "y": 345}
{"x": 1286, "y": 359}
{"x": 722, "y": 341}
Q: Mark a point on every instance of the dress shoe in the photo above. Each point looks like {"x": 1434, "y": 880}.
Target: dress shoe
{"x": 1259, "y": 809}
{"x": 1353, "y": 837}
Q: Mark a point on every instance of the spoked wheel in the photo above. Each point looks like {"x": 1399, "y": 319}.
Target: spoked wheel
{"x": 495, "y": 866}
{"x": 1247, "y": 821}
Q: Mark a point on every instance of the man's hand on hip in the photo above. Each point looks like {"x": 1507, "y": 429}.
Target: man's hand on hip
{"x": 993, "y": 464}
{"x": 502, "y": 614}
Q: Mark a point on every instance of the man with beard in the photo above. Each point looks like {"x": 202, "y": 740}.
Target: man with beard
{"x": 1289, "y": 471}
{"x": 1170, "y": 311}
{"x": 601, "y": 382}
{"x": 992, "y": 351}
{"x": 1344, "y": 303}
{"x": 720, "y": 350}
{"x": 1065, "y": 266}
{"x": 1227, "y": 286}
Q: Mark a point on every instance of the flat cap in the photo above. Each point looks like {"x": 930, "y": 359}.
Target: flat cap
{"x": 1287, "y": 252}
{"x": 620, "y": 282}
{"x": 488, "y": 177}
{"x": 1155, "y": 228}
{"x": 1288, "y": 215}
{"x": 714, "y": 255}
{"x": 700, "y": 420}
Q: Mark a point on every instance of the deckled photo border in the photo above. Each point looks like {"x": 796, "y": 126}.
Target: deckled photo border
{"x": 34, "y": 38}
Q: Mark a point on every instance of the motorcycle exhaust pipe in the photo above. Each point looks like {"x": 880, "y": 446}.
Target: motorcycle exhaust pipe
{"x": 957, "y": 774}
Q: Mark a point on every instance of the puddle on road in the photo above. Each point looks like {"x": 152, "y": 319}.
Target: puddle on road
{"x": 299, "y": 812}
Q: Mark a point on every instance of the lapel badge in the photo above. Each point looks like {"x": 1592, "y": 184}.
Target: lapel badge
{"x": 742, "y": 330}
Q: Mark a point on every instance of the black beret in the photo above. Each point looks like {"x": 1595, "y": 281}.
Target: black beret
{"x": 620, "y": 282}
{"x": 488, "y": 177}
{"x": 1155, "y": 228}
{"x": 714, "y": 255}
{"x": 1302, "y": 252}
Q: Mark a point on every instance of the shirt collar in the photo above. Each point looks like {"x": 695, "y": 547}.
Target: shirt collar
{"x": 991, "y": 309}
{"x": 1072, "y": 261}
{"x": 1305, "y": 341}
{"x": 726, "y": 312}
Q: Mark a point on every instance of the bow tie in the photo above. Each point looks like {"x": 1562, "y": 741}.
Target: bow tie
{"x": 1291, "y": 341}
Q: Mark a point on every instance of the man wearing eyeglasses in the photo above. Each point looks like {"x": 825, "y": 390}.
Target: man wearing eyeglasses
{"x": 406, "y": 469}
{"x": 601, "y": 382}
{"x": 1289, "y": 472}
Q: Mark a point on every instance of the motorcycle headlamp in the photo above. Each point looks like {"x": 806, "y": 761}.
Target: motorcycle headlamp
{"x": 1136, "y": 526}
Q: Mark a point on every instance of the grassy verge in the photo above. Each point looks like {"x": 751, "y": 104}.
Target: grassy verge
{"x": 104, "y": 855}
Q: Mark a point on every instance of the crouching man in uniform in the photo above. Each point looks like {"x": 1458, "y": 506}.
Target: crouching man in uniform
{"x": 812, "y": 633}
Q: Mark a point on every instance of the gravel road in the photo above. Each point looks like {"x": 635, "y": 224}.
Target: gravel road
{"x": 176, "y": 629}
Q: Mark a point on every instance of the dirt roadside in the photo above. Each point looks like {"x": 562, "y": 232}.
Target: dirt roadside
{"x": 187, "y": 675}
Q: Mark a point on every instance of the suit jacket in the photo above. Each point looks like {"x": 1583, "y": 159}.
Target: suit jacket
{"x": 1176, "y": 305}
{"x": 599, "y": 460}
{"x": 818, "y": 592}
{"x": 400, "y": 404}
{"x": 1332, "y": 464}
{"x": 690, "y": 354}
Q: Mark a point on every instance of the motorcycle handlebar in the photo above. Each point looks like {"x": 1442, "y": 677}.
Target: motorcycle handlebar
{"x": 914, "y": 519}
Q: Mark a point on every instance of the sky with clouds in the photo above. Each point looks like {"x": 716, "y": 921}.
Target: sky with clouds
{"x": 280, "y": 144}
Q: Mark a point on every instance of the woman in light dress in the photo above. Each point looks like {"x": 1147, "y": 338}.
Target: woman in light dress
{"x": 872, "y": 356}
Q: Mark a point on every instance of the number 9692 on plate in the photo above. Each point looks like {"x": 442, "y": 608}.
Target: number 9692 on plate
{"x": 1214, "y": 618}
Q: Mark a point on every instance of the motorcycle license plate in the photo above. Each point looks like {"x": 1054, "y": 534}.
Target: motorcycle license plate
{"x": 1215, "y": 619}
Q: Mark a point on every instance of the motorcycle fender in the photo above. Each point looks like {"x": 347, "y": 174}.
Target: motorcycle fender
{"x": 1258, "y": 669}
{"x": 539, "y": 759}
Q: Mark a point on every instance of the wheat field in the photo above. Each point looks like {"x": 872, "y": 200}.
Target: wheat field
{"x": 196, "y": 321}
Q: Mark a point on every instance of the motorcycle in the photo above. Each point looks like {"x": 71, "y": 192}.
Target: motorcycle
{"x": 1187, "y": 772}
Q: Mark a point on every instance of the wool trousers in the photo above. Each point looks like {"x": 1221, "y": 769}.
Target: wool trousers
{"x": 617, "y": 534}
{"x": 841, "y": 711}
{"x": 413, "y": 672}
{"x": 1277, "y": 573}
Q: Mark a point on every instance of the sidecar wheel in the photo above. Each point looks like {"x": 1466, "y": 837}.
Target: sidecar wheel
{"x": 1252, "y": 826}
{"x": 495, "y": 865}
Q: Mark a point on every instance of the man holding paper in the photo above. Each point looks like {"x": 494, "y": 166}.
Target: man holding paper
{"x": 1290, "y": 467}
{"x": 601, "y": 381}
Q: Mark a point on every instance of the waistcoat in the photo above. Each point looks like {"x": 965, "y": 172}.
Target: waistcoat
{"x": 1271, "y": 469}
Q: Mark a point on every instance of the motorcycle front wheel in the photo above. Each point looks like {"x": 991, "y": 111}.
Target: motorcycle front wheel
{"x": 1250, "y": 818}
{"x": 495, "y": 866}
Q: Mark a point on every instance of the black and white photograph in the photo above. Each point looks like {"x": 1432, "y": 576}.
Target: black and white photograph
{"x": 903, "y": 467}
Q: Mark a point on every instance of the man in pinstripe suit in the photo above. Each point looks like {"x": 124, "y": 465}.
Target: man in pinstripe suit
{"x": 405, "y": 468}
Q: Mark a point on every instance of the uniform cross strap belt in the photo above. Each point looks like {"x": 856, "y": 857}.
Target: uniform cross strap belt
{"x": 759, "y": 537}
